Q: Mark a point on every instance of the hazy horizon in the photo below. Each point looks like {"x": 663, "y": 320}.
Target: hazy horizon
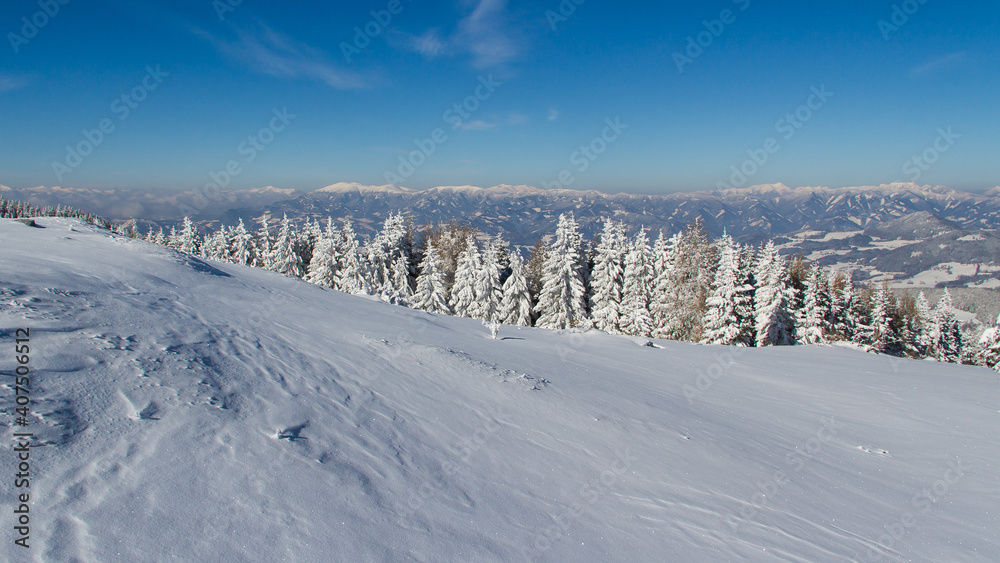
{"x": 645, "y": 98}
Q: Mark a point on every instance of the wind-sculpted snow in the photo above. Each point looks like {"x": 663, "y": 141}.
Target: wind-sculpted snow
{"x": 196, "y": 411}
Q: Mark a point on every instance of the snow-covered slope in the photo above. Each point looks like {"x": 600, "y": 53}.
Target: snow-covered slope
{"x": 196, "y": 411}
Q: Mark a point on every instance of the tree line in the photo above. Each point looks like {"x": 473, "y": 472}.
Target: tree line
{"x": 13, "y": 209}
{"x": 683, "y": 287}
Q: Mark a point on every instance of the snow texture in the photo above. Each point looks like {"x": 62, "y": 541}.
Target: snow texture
{"x": 199, "y": 411}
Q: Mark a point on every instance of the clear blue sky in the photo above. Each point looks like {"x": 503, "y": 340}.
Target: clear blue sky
{"x": 559, "y": 79}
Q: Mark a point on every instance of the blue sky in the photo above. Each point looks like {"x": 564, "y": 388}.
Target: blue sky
{"x": 269, "y": 91}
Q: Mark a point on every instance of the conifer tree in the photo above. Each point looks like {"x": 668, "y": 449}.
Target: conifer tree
{"x": 189, "y": 239}
{"x": 284, "y": 258}
{"x": 487, "y": 287}
{"x": 241, "y": 245}
{"x": 772, "y": 299}
{"x": 322, "y": 269}
{"x": 885, "y": 334}
{"x": 989, "y": 347}
{"x": 431, "y": 294}
{"x": 635, "y": 316}
{"x": 607, "y": 283}
{"x": 679, "y": 305}
{"x": 515, "y": 307}
{"x": 562, "y": 302}
{"x": 722, "y": 321}
{"x": 948, "y": 347}
{"x": 463, "y": 293}
{"x": 926, "y": 326}
{"x": 350, "y": 269}
{"x": 264, "y": 245}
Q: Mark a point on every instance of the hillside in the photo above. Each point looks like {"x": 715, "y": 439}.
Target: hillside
{"x": 199, "y": 411}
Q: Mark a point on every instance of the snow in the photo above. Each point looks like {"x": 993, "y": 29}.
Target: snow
{"x": 942, "y": 273}
{"x": 202, "y": 411}
{"x": 893, "y": 244}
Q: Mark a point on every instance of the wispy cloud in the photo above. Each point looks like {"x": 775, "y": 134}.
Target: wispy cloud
{"x": 941, "y": 63}
{"x": 485, "y": 34}
{"x": 512, "y": 119}
{"x": 429, "y": 44}
{"x": 553, "y": 114}
{"x": 11, "y": 83}
{"x": 478, "y": 125}
{"x": 270, "y": 52}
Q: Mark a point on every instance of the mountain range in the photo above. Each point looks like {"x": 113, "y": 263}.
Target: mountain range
{"x": 900, "y": 232}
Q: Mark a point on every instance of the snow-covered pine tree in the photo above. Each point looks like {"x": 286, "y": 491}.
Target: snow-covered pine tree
{"x": 608, "y": 278}
{"x": 488, "y": 288}
{"x": 989, "y": 347}
{"x": 562, "y": 302}
{"x": 189, "y": 239}
{"x": 722, "y": 320}
{"x": 322, "y": 264}
{"x": 463, "y": 292}
{"x": 885, "y": 333}
{"x": 431, "y": 294}
{"x": 746, "y": 289}
{"x": 351, "y": 268}
{"x": 681, "y": 306}
{"x": 284, "y": 258}
{"x": 635, "y": 317}
{"x": 161, "y": 239}
{"x": 216, "y": 245}
{"x": 400, "y": 278}
{"x": 515, "y": 307}
{"x": 661, "y": 306}
{"x": 812, "y": 322}
{"x": 925, "y": 325}
{"x": 948, "y": 347}
{"x": 264, "y": 245}
{"x": 772, "y": 299}
{"x": 241, "y": 245}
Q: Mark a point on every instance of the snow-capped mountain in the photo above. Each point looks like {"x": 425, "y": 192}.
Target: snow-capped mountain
{"x": 186, "y": 409}
{"x": 524, "y": 212}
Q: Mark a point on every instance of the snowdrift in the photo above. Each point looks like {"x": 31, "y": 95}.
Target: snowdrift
{"x": 194, "y": 411}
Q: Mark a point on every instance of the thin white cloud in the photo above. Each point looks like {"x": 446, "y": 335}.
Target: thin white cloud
{"x": 515, "y": 118}
{"x": 553, "y": 114}
{"x": 270, "y": 52}
{"x": 429, "y": 44}
{"x": 11, "y": 83}
{"x": 941, "y": 63}
{"x": 478, "y": 125}
{"x": 485, "y": 34}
